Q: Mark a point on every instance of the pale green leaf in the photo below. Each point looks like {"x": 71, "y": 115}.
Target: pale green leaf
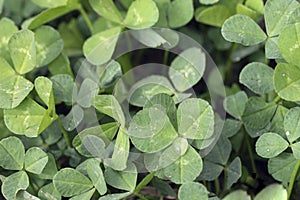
{"x": 29, "y": 119}
{"x": 245, "y": 10}
{"x": 70, "y": 182}
{"x": 148, "y": 37}
{"x": 270, "y": 145}
{"x": 120, "y": 154}
{"x": 221, "y": 151}
{"x": 23, "y": 195}
{"x": 234, "y": 172}
{"x": 143, "y": 90}
{"x": 6, "y": 69}
{"x": 231, "y": 127}
{"x": 35, "y": 160}
{"x": 49, "y": 192}
{"x": 180, "y": 12}
{"x": 177, "y": 149}
{"x": 292, "y": 124}
{"x": 61, "y": 65}
{"x": 50, "y": 169}
{"x": 258, "y": 114}
{"x": 13, "y": 88}
{"x": 107, "y": 9}
{"x": 14, "y": 183}
{"x": 192, "y": 191}
{"x": 105, "y": 132}
{"x": 296, "y": 150}
{"x": 124, "y": 180}
{"x": 8, "y": 28}
{"x": 186, "y": 169}
{"x": 43, "y": 86}
{"x": 235, "y": 104}
{"x": 50, "y": 3}
{"x": 257, "y": 5}
{"x": 168, "y": 105}
{"x": 141, "y": 14}
{"x": 88, "y": 90}
{"x": 277, "y": 123}
{"x": 22, "y": 51}
{"x": 282, "y": 166}
{"x": 12, "y": 153}
{"x": 187, "y": 69}
{"x": 237, "y": 195}
{"x": 287, "y": 81}
{"x": 258, "y": 77}
{"x": 73, "y": 119}
{"x": 271, "y": 48}
{"x": 150, "y": 130}
{"x": 85, "y": 195}
{"x": 48, "y": 44}
{"x": 94, "y": 145}
{"x": 274, "y": 192}
{"x": 110, "y": 106}
{"x": 51, "y": 14}
{"x": 208, "y": 2}
{"x": 116, "y": 196}
{"x": 244, "y": 30}
{"x": 156, "y": 37}
{"x": 99, "y": 48}
{"x": 213, "y": 15}
{"x": 211, "y": 171}
{"x": 195, "y": 119}
{"x": 96, "y": 175}
{"x": 289, "y": 43}
{"x": 109, "y": 74}
{"x": 277, "y": 13}
{"x": 63, "y": 85}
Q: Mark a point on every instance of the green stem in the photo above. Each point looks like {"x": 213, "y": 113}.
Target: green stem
{"x": 86, "y": 18}
{"x": 141, "y": 197}
{"x": 217, "y": 186}
{"x": 64, "y": 132}
{"x": 250, "y": 154}
{"x": 277, "y": 99}
{"x": 293, "y": 178}
{"x": 143, "y": 183}
{"x": 228, "y": 66}
{"x": 166, "y": 57}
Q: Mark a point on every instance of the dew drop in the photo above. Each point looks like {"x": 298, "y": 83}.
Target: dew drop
{"x": 268, "y": 150}
{"x": 287, "y": 133}
{"x": 283, "y": 75}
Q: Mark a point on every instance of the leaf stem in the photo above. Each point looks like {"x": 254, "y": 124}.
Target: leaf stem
{"x": 143, "y": 183}
{"x": 250, "y": 154}
{"x": 166, "y": 57}
{"x": 217, "y": 186}
{"x": 141, "y": 197}
{"x": 86, "y": 18}
{"x": 228, "y": 66}
{"x": 292, "y": 179}
{"x": 277, "y": 99}
{"x": 64, "y": 132}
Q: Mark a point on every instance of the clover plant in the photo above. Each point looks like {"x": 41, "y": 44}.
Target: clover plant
{"x": 149, "y": 99}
